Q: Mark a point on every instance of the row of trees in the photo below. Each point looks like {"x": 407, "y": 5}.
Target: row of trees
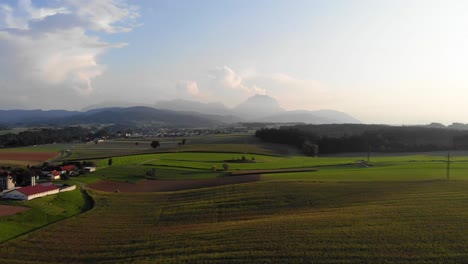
{"x": 46, "y": 136}
{"x": 313, "y": 139}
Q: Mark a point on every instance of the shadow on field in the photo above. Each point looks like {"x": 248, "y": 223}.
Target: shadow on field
{"x": 170, "y": 185}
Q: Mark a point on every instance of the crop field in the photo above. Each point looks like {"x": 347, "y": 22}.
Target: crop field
{"x": 31, "y": 155}
{"x": 263, "y": 222}
{"x": 239, "y": 143}
{"x": 397, "y": 208}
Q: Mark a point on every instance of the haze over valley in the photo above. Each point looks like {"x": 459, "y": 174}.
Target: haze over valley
{"x": 392, "y": 62}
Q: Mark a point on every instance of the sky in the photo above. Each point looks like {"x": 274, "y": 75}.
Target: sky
{"x": 393, "y": 62}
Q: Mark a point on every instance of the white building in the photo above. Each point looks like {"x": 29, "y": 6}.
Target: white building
{"x": 89, "y": 169}
{"x": 31, "y": 192}
{"x": 6, "y": 182}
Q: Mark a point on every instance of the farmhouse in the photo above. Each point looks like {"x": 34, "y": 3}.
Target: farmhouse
{"x": 31, "y": 192}
{"x": 6, "y": 181}
{"x": 67, "y": 168}
{"x": 54, "y": 175}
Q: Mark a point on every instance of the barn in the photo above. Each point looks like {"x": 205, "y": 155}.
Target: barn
{"x": 31, "y": 192}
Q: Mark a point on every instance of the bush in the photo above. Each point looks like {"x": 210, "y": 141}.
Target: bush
{"x": 225, "y": 166}
{"x": 213, "y": 168}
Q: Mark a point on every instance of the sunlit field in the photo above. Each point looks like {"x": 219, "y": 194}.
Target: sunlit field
{"x": 398, "y": 208}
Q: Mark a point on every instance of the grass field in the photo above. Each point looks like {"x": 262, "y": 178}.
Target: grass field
{"x": 264, "y": 222}
{"x": 239, "y": 143}
{"x": 43, "y": 211}
{"x": 402, "y": 209}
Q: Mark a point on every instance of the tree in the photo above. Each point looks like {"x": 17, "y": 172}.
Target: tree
{"x": 136, "y": 143}
{"x": 155, "y": 144}
{"x": 64, "y": 177}
{"x": 109, "y": 162}
{"x": 225, "y": 166}
{"x": 183, "y": 141}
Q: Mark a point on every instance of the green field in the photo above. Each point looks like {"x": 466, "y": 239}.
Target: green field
{"x": 239, "y": 143}
{"x": 43, "y": 211}
{"x": 265, "y": 222}
{"x": 400, "y": 209}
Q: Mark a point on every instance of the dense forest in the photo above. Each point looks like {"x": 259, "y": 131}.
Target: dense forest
{"x": 49, "y": 135}
{"x": 361, "y": 138}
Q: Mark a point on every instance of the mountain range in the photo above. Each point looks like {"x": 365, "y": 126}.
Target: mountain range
{"x": 181, "y": 113}
{"x": 261, "y": 108}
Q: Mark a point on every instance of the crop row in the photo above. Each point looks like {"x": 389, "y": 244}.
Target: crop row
{"x": 263, "y": 222}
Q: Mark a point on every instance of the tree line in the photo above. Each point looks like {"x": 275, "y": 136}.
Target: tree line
{"x": 362, "y": 138}
{"x": 47, "y": 136}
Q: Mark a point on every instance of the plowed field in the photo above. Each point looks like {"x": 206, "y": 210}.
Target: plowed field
{"x": 11, "y": 210}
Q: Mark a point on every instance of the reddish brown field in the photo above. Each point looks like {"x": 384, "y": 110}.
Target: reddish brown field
{"x": 28, "y": 156}
{"x": 11, "y": 210}
{"x": 170, "y": 185}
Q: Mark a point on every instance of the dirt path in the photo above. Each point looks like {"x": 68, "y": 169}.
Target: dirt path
{"x": 11, "y": 210}
{"x": 170, "y": 185}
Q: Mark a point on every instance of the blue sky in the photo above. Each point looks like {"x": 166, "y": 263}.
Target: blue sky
{"x": 397, "y": 62}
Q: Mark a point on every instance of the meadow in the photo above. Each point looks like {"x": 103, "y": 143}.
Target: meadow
{"x": 397, "y": 208}
{"x": 42, "y": 212}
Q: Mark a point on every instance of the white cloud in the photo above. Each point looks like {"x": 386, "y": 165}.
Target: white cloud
{"x": 110, "y": 16}
{"x": 19, "y": 17}
{"x": 228, "y": 78}
{"x": 187, "y": 89}
{"x": 51, "y": 44}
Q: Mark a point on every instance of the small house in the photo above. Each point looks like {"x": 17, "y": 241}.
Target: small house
{"x": 54, "y": 175}
{"x": 67, "y": 168}
{"x": 6, "y": 182}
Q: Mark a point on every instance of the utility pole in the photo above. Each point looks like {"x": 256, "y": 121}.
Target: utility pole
{"x": 368, "y": 153}
{"x": 448, "y": 166}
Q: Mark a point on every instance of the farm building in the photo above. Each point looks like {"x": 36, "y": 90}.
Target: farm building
{"x": 31, "y": 192}
{"x": 6, "y": 182}
{"x": 54, "y": 175}
{"x": 67, "y": 168}
{"x": 89, "y": 169}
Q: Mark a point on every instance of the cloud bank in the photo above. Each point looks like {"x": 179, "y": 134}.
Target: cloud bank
{"x": 58, "y": 46}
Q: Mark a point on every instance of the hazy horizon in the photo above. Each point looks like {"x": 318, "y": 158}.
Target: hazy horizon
{"x": 392, "y": 62}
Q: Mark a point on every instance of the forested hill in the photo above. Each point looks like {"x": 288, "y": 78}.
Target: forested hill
{"x": 361, "y": 138}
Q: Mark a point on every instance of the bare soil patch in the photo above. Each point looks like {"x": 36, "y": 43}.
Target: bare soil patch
{"x": 28, "y": 156}
{"x": 11, "y": 210}
{"x": 170, "y": 185}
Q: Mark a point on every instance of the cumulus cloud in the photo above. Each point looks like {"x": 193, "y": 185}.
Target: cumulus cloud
{"x": 110, "y": 16}
{"x": 188, "y": 88}
{"x": 228, "y": 78}
{"x": 52, "y": 45}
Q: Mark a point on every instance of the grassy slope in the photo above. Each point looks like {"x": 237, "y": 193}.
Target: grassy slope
{"x": 43, "y": 211}
{"x": 347, "y": 222}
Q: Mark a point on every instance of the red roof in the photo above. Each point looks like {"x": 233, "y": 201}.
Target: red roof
{"x": 55, "y": 173}
{"x": 30, "y": 190}
{"x": 68, "y": 167}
